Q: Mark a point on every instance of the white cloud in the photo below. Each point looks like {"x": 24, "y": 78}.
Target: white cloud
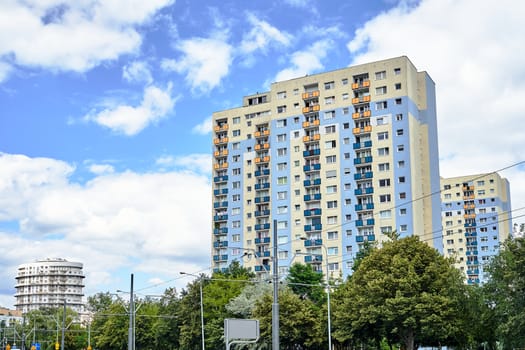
{"x": 5, "y": 71}
{"x": 100, "y": 169}
{"x": 142, "y": 222}
{"x": 137, "y": 71}
{"x": 204, "y": 127}
{"x": 470, "y": 51}
{"x": 307, "y": 61}
{"x": 199, "y": 163}
{"x": 156, "y": 104}
{"x": 72, "y": 36}
{"x": 205, "y": 62}
{"x": 262, "y": 35}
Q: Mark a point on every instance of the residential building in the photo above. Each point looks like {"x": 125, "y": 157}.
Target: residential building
{"x": 476, "y": 220}
{"x": 49, "y": 283}
{"x": 335, "y": 160}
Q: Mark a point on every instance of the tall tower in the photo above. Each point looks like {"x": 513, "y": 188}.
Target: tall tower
{"x": 476, "y": 220}
{"x": 335, "y": 159}
{"x": 49, "y": 283}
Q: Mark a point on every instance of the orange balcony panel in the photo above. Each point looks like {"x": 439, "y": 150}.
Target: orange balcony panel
{"x": 224, "y": 152}
{"x": 366, "y": 83}
{"x": 216, "y": 153}
{"x": 216, "y": 141}
{"x": 317, "y": 137}
{"x": 306, "y": 109}
{"x": 257, "y": 160}
{"x": 366, "y": 98}
{"x": 367, "y": 113}
{"x": 310, "y": 94}
{"x": 224, "y": 127}
{"x": 306, "y": 138}
{"x": 355, "y": 86}
{"x": 266, "y": 132}
{"x": 356, "y": 115}
{"x": 266, "y": 158}
{"x": 217, "y": 128}
{"x": 356, "y": 131}
{"x": 306, "y": 124}
{"x": 355, "y": 100}
{"x": 316, "y": 108}
{"x": 266, "y": 146}
{"x": 257, "y": 134}
{"x": 216, "y": 166}
{"x": 368, "y": 128}
{"x": 316, "y": 122}
{"x": 224, "y": 165}
{"x": 257, "y": 147}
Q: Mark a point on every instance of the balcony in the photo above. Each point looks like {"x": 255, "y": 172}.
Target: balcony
{"x": 313, "y": 242}
{"x": 359, "y": 145}
{"x": 221, "y": 257}
{"x": 360, "y": 85}
{"x": 313, "y": 258}
{"x": 312, "y": 197}
{"x": 222, "y": 153}
{"x": 262, "y": 254}
{"x": 262, "y": 268}
{"x": 361, "y": 99}
{"x": 359, "y": 115}
{"x": 311, "y": 109}
{"x": 366, "y": 175}
{"x": 312, "y": 212}
{"x": 222, "y": 127}
{"x": 218, "y": 179}
{"x": 220, "y": 140}
{"x": 310, "y": 95}
{"x": 260, "y": 146}
{"x": 311, "y": 124}
{"x": 218, "y": 192}
{"x": 220, "y": 231}
{"x": 220, "y": 244}
{"x": 259, "y": 160}
{"x": 262, "y": 133}
{"x": 314, "y": 227}
{"x": 314, "y": 182}
{"x": 259, "y": 227}
{"x": 259, "y": 213}
{"x": 364, "y": 130}
{"x": 217, "y": 218}
{"x": 264, "y": 172}
{"x": 312, "y": 167}
{"x": 222, "y": 204}
{"x": 360, "y": 191}
{"x": 469, "y": 216}
{"x": 263, "y": 240}
{"x": 367, "y": 206}
{"x": 312, "y": 153}
{"x": 262, "y": 186}
{"x": 263, "y": 199}
{"x": 311, "y": 138}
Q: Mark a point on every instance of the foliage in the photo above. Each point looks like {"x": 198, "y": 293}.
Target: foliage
{"x": 242, "y": 306}
{"x": 404, "y": 292}
{"x": 506, "y": 293}
{"x": 365, "y": 251}
{"x": 306, "y": 282}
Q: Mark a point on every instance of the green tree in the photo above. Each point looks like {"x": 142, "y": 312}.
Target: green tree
{"x": 506, "y": 292}
{"x": 167, "y": 326}
{"x": 404, "y": 292}
{"x": 306, "y": 282}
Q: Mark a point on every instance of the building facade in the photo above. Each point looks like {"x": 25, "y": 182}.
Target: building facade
{"x": 49, "y": 283}
{"x": 476, "y": 219}
{"x": 335, "y": 160}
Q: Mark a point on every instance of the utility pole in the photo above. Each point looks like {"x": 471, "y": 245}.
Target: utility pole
{"x": 63, "y": 324}
{"x": 275, "y": 305}
{"x": 131, "y": 335}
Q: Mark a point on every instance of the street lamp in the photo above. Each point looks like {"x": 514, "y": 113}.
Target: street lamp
{"x": 131, "y": 329}
{"x": 202, "y": 308}
{"x": 327, "y": 295}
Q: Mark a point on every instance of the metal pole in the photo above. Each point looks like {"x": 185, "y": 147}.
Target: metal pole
{"x": 328, "y": 300}
{"x": 202, "y": 315}
{"x": 63, "y": 325}
{"x": 131, "y": 312}
{"x": 275, "y": 305}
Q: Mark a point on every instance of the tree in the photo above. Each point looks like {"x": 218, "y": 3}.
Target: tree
{"x": 243, "y": 305}
{"x": 404, "y": 292}
{"x": 166, "y": 329}
{"x": 306, "y": 282}
{"x": 506, "y": 292}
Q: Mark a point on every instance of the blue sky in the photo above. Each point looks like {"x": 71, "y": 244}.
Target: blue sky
{"x": 105, "y": 111}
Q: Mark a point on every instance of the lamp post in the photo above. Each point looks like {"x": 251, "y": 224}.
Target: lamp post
{"x": 131, "y": 328}
{"x": 202, "y": 307}
{"x": 327, "y": 295}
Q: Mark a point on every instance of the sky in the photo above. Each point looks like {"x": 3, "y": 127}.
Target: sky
{"x": 105, "y": 113}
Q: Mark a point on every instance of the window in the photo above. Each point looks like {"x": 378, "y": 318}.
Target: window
{"x": 402, "y": 211}
{"x": 398, "y": 86}
{"x": 296, "y": 134}
{"x": 381, "y": 105}
{"x": 280, "y": 226}
{"x": 344, "y": 81}
{"x": 381, "y": 75}
{"x": 236, "y": 238}
{"x": 397, "y": 71}
{"x": 331, "y": 174}
{"x": 346, "y": 126}
{"x": 329, "y": 100}
{"x": 382, "y": 135}
{"x": 331, "y": 189}
{"x": 236, "y": 158}
{"x": 236, "y": 211}
{"x": 400, "y": 148}
{"x": 281, "y": 123}
{"x": 329, "y": 144}
{"x": 348, "y": 217}
{"x": 381, "y": 90}
{"x": 399, "y": 101}
{"x": 332, "y": 235}
{"x": 399, "y": 117}
{"x": 236, "y": 184}
{"x": 296, "y": 91}
{"x": 401, "y": 164}
{"x": 332, "y": 220}
{"x": 281, "y": 151}
{"x": 383, "y": 166}
{"x": 330, "y": 129}
{"x": 236, "y": 145}
{"x": 281, "y": 95}
{"x": 282, "y": 180}
{"x": 281, "y": 109}
{"x": 345, "y": 96}
{"x": 401, "y": 179}
{"x": 402, "y": 195}
{"x": 295, "y": 106}
{"x": 346, "y": 140}
{"x": 236, "y": 224}
{"x": 347, "y": 155}
{"x": 346, "y": 110}
{"x": 385, "y": 214}
{"x": 296, "y": 119}
{"x": 282, "y": 195}
{"x": 281, "y": 137}
{"x": 282, "y": 166}
{"x": 333, "y": 250}
{"x": 330, "y": 159}
{"x": 399, "y": 132}
{"x": 283, "y": 255}
{"x": 384, "y": 182}
{"x": 296, "y": 163}
{"x": 347, "y": 186}
{"x": 329, "y": 115}
{"x": 384, "y": 198}
{"x": 236, "y": 132}
{"x": 331, "y": 204}
{"x": 329, "y": 85}
{"x": 297, "y": 178}
{"x": 282, "y": 209}
{"x": 236, "y": 120}
{"x": 384, "y": 151}
{"x": 236, "y": 171}
{"x": 403, "y": 228}
{"x": 347, "y": 171}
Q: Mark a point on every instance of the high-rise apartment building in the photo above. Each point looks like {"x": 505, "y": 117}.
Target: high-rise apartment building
{"x": 476, "y": 219}
{"x": 335, "y": 160}
{"x": 49, "y": 283}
